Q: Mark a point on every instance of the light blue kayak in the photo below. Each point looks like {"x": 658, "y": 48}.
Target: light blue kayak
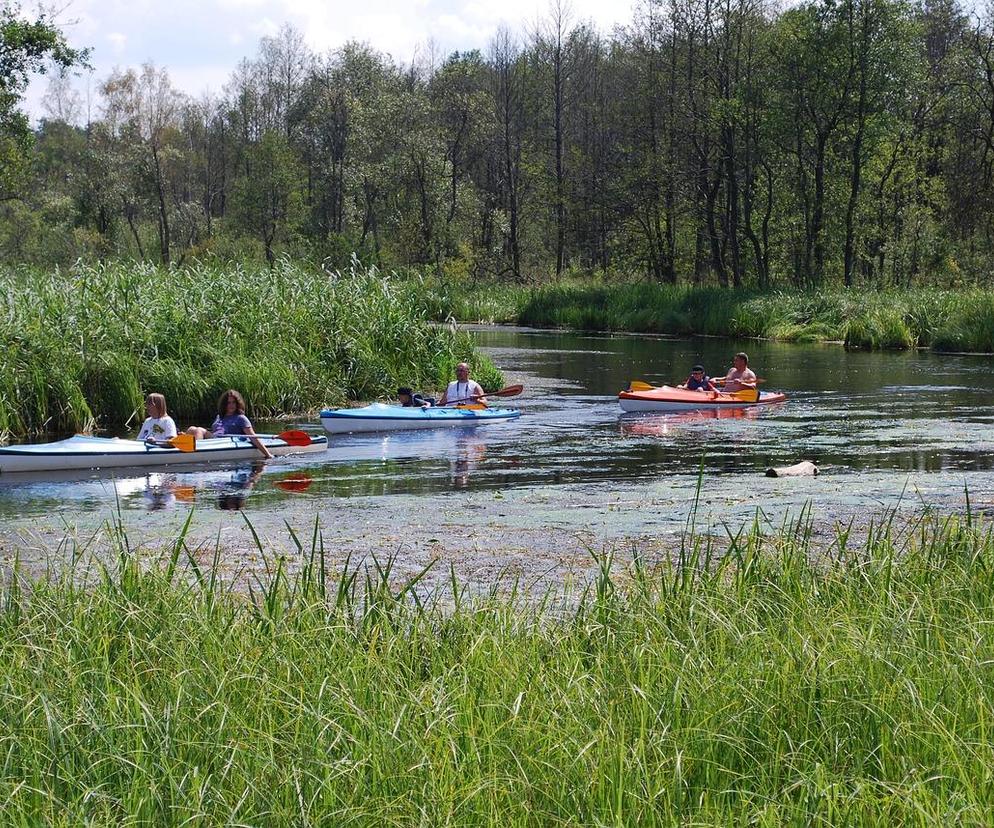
{"x": 380, "y": 417}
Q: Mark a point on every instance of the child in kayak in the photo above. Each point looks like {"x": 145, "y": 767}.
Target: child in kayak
{"x": 158, "y": 425}
{"x": 408, "y": 399}
{"x": 230, "y": 419}
{"x": 699, "y": 380}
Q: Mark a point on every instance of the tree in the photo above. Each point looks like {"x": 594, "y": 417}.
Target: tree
{"x": 26, "y": 48}
{"x": 266, "y": 201}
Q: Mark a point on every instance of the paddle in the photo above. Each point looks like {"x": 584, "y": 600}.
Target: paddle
{"x": 292, "y": 437}
{"x": 295, "y": 437}
{"x": 723, "y": 380}
{"x": 510, "y": 391}
{"x": 639, "y": 385}
{"x": 183, "y": 442}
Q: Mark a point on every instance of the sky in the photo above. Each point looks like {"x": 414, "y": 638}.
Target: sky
{"x": 201, "y": 41}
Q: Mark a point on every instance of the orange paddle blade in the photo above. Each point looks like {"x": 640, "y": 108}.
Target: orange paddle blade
{"x": 183, "y": 442}
{"x": 510, "y": 391}
{"x": 295, "y": 437}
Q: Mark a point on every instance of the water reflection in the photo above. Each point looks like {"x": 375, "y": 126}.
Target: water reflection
{"x": 470, "y": 451}
{"x": 662, "y": 425}
{"x": 231, "y": 493}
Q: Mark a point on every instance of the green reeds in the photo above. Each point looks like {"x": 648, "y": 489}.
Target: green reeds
{"x": 943, "y": 319}
{"x": 756, "y": 681}
{"x": 86, "y": 344}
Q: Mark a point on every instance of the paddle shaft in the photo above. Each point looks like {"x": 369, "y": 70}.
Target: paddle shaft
{"x": 292, "y": 437}
{"x": 509, "y": 391}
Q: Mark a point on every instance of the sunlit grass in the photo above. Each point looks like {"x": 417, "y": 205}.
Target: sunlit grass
{"x": 765, "y": 683}
{"x": 86, "y": 344}
{"x": 961, "y": 320}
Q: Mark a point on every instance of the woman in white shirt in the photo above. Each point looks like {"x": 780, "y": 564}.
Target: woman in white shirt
{"x": 158, "y": 426}
{"x": 463, "y": 391}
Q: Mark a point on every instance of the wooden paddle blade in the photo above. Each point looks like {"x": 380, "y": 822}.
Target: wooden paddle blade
{"x": 295, "y": 437}
{"x": 638, "y": 385}
{"x": 472, "y": 407}
{"x": 510, "y": 391}
{"x": 183, "y": 442}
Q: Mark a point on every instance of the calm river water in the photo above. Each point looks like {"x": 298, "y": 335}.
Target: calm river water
{"x": 883, "y": 427}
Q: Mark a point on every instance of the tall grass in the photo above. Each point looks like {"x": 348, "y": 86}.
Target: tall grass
{"x": 85, "y": 344}
{"x": 763, "y": 684}
{"x": 960, "y": 320}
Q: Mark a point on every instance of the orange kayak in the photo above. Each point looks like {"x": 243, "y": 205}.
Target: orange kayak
{"x": 669, "y": 398}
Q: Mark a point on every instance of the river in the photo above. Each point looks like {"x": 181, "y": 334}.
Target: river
{"x": 532, "y": 498}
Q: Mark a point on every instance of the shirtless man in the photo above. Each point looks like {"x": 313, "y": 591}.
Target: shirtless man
{"x": 740, "y": 376}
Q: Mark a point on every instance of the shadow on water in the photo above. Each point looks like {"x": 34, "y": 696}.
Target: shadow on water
{"x": 848, "y": 411}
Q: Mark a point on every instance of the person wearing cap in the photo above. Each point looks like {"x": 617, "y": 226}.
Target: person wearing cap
{"x": 740, "y": 376}
{"x": 699, "y": 380}
{"x": 408, "y": 399}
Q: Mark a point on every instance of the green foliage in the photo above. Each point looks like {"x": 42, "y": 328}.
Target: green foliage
{"x": 761, "y": 683}
{"x": 26, "y": 47}
{"x": 88, "y": 343}
{"x": 959, "y": 320}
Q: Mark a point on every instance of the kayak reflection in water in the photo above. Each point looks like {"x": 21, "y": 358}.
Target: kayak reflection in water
{"x": 662, "y": 425}
{"x": 163, "y": 490}
{"x": 233, "y": 492}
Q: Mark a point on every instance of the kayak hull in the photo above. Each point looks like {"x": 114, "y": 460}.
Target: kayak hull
{"x": 668, "y": 398}
{"x": 82, "y": 452}
{"x": 380, "y": 417}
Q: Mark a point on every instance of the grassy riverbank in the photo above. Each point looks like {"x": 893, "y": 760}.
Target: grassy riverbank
{"x": 769, "y": 689}
{"x": 86, "y": 343}
{"x": 946, "y": 320}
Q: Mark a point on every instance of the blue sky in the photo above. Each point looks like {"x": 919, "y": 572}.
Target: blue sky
{"x": 201, "y": 42}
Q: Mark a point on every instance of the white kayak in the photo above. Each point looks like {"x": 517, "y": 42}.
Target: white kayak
{"x": 380, "y": 417}
{"x": 82, "y": 452}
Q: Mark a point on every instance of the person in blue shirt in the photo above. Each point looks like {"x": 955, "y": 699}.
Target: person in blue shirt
{"x": 699, "y": 380}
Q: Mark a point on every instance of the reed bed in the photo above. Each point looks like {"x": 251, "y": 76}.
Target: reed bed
{"x": 947, "y": 320}
{"x": 84, "y": 345}
{"x": 764, "y": 684}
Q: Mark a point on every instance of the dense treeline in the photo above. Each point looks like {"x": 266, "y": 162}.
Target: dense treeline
{"x": 710, "y": 141}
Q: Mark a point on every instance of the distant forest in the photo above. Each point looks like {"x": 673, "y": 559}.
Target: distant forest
{"x": 726, "y": 142}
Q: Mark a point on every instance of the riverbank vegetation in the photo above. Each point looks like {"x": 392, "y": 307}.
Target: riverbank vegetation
{"x": 944, "y": 320}
{"x": 769, "y": 683}
{"x": 820, "y": 144}
{"x": 86, "y": 343}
